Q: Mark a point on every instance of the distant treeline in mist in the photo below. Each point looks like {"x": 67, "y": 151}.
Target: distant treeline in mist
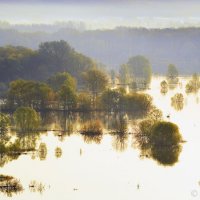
{"x": 114, "y": 47}
{"x": 17, "y": 62}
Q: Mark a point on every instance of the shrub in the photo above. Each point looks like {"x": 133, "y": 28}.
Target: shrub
{"x": 26, "y": 119}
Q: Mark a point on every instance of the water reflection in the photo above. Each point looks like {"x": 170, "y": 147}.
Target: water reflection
{"x": 92, "y": 131}
{"x": 120, "y": 133}
{"x": 6, "y": 158}
{"x": 166, "y": 155}
{"x": 42, "y": 151}
{"x": 163, "y": 91}
{"x": 35, "y": 186}
{"x": 10, "y": 186}
{"x": 159, "y": 140}
{"x": 58, "y": 152}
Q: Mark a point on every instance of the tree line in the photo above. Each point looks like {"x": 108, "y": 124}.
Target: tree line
{"x": 59, "y": 92}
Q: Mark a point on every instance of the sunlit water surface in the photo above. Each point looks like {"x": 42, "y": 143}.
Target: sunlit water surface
{"x": 101, "y": 171}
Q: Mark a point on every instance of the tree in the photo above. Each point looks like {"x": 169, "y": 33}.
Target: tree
{"x": 172, "y": 73}
{"x": 165, "y": 134}
{"x": 164, "y": 85}
{"x": 84, "y": 101}
{"x": 159, "y": 140}
{"x": 140, "y": 69}
{"x": 67, "y": 96}
{"x": 111, "y": 100}
{"x": 26, "y": 119}
{"x": 51, "y": 57}
{"x": 29, "y": 93}
{"x": 58, "y": 79}
{"x": 96, "y": 81}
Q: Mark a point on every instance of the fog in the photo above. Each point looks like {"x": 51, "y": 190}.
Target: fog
{"x": 103, "y": 14}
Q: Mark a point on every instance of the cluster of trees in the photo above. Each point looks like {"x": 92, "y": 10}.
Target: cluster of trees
{"x": 60, "y": 92}
{"x": 179, "y": 46}
{"x": 136, "y": 72}
{"x": 193, "y": 85}
{"x": 51, "y": 57}
{"x": 118, "y": 100}
{"x": 159, "y": 140}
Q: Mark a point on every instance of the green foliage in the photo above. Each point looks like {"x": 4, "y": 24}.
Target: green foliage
{"x": 136, "y": 73}
{"x": 51, "y": 57}
{"x": 172, "y": 74}
{"x": 116, "y": 100}
{"x": 138, "y": 102}
{"x": 29, "y": 93}
{"x": 67, "y": 96}
{"x": 140, "y": 67}
{"x": 96, "y": 81}
{"x": 155, "y": 114}
{"x": 193, "y": 85}
{"x": 59, "y": 79}
{"x": 164, "y": 84}
{"x": 26, "y": 119}
{"x": 84, "y": 102}
{"x": 159, "y": 140}
{"x": 4, "y": 124}
{"x": 112, "y": 100}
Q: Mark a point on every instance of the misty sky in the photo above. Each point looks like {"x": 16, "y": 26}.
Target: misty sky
{"x": 104, "y": 13}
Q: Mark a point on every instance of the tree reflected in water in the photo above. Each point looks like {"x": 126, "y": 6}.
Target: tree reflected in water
{"x": 177, "y": 101}
{"x": 120, "y": 133}
{"x": 42, "y": 151}
{"x": 58, "y": 152}
{"x": 166, "y": 155}
{"x": 92, "y": 131}
{"x": 160, "y": 141}
{"x": 35, "y": 186}
{"x": 10, "y": 186}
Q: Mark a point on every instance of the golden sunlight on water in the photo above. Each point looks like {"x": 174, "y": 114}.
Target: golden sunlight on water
{"x": 101, "y": 171}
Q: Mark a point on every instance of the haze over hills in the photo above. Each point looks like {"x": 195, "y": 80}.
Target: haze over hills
{"x": 114, "y": 47}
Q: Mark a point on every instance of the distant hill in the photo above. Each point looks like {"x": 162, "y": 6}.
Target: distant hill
{"x": 113, "y": 47}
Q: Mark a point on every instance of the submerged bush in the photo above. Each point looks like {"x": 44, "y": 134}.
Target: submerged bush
{"x": 165, "y": 134}
{"x": 93, "y": 127}
{"x": 159, "y": 140}
{"x": 27, "y": 119}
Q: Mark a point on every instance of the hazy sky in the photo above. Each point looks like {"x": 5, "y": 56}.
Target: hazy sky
{"x": 104, "y": 13}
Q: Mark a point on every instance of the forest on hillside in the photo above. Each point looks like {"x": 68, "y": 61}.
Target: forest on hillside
{"x": 114, "y": 47}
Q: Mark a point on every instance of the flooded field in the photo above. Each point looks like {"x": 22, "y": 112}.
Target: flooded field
{"x": 70, "y": 165}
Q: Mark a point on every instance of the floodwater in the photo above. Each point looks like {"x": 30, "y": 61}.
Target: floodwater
{"x": 69, "y": 166}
